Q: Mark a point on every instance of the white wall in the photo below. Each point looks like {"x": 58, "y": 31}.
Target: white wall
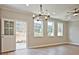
{"x": 35, "y": 42}
{"x": 6, "y": 45}
{"x": 74, "y": 32}
{"x": 32, "y": 41}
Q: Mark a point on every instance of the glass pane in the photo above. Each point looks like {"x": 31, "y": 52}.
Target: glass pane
{"x": 50, "y": 28}
{"x": 6, "y": 23}
{"x": 6, "y": 31}
{"x": 60, "y": 29}
{"x": 11, "y": 32}
{"x": 11, "y": 24}
{"x": 8, "y": 28}
{"x": 38, "y": 28}
{"x": 11, "y": 28}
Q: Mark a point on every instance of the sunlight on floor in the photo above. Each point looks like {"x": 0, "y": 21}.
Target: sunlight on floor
{"x": 20, "y": 45}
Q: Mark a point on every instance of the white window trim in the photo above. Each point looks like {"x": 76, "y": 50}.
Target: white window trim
{"x": 34, "y": 30}
{"x": 53, "y": 28}
{"x": 63, "y": 29}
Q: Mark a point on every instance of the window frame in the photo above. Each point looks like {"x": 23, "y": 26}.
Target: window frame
{"x": 53, "y": 31}
{"x": 8, "y": 27}
{"x": 58, "y": 29}
{"x": 37, "y": 36}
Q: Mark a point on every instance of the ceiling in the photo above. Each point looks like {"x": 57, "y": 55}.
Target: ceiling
{"x": 56, "y": 10}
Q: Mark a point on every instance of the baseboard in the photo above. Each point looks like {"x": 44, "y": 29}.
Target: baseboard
{"x": 7, "y": 51}
{"x": 76, "y": 44}
{"x": 65, "y": 43}
{"x": 49, "y": 45}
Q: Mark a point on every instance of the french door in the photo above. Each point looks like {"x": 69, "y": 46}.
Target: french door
{"x": 8, "y": 36}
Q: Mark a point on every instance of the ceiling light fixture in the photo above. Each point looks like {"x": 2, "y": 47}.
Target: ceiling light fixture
{"x": 43, "y": 13}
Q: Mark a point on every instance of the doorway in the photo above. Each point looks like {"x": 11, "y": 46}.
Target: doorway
{"x": 20, "y": 34}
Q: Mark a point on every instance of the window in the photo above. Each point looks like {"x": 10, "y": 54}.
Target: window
{"x": 60, "y": 29}
{"x": 8, "y": 27}
{"x": 50, "y": 28}
{"x": 38, "y": 28}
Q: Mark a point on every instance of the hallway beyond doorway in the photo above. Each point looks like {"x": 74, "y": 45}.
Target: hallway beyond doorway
{"x": 20, "y": 35}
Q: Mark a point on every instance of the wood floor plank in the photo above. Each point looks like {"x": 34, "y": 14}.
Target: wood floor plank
{"x": 55, "y": 50}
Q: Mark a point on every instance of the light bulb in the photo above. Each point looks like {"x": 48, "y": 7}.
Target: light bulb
{"x": 46, "y": 17}
{"x": 75, "y": 14}
{"x": 48, "y": 13}
{"x": 39, "y": 13}
{"x": 33, "y": 15}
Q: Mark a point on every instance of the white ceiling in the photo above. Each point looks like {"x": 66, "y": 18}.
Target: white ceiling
{"x": 60, "y": 10}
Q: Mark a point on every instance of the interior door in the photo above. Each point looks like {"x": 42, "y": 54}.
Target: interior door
{"x": 8, "y": 35}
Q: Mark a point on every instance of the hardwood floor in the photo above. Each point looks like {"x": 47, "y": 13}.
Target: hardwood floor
{"x": 55, "y": 50}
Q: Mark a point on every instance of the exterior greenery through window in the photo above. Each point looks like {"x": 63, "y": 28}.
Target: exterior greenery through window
{"x": 50, "y": 28}
{"x": 60, "y": 29}
{"x": 38, "y": 28}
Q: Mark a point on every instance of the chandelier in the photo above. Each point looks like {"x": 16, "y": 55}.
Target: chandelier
{"x": 43, "y": 13}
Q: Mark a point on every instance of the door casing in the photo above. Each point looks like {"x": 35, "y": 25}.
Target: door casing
{"x": 8, "y": 42}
